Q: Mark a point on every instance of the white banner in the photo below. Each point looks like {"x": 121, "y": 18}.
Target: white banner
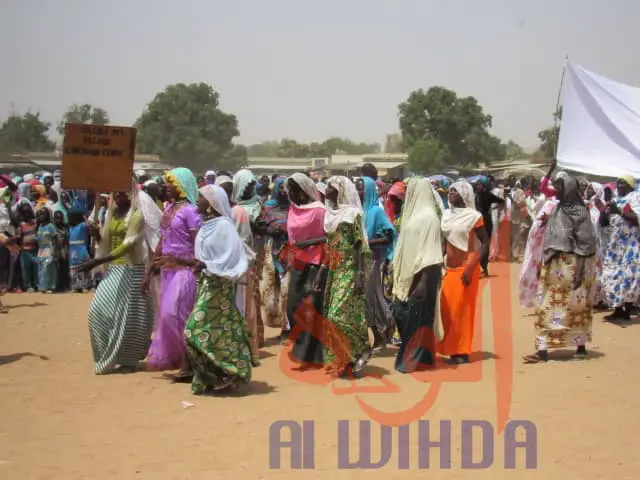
{"x": 600, "y": 127}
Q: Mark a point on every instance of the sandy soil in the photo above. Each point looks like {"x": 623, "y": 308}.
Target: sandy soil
{"x": 60, "y": 421}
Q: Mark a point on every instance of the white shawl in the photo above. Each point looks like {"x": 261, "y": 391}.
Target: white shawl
{"x": 457, "y": 223}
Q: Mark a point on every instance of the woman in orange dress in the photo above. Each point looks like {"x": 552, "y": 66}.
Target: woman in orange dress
{"x": 466, "y": 240}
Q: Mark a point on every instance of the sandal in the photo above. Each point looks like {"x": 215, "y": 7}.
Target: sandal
{"x": 541, "y": 356}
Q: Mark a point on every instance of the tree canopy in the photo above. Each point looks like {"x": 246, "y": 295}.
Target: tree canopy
{"x": 84, "y": 113}
{"x": 452, "y": 130}
{"x": 289, "y": 148}
{"x": 184, "y": 125}
{"x": 549, "y": 136}
{"x": 393, "y": 143}
{"x": 26, "y": 133}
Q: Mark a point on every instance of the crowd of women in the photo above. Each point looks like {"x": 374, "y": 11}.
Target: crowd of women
{"x": 189, "y": 271}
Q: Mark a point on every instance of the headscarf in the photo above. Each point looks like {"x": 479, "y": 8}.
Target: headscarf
{"x": 29, "y": 177}
{"x": 41, "y": 201}
{"x": 629, "y": 180}
{"x": 457, "y": 223}
{"x": 306, "y": 221}
{"x": 376, "y": 220}
{"x": 209, "y": 173}
{"x": 218, "y": 244}
{"x": 349, "y": 207}
{"x": 598, "y": 190}
{"x": 322, "y": 188}
{"x": 222, "y": 179}
{"x": 183, "y": 179}
{"x": 152, "y": 218}
{"x": 59, "y": 207}
{"x": 251, "y": 205}
{"x": 218, "y": 199}
{"x": 275, "y": 192}
{"x": 569, "y": 228}
{"x": 132, "y": 237}
{"x": 398, "y": 190}
{"x": 419, "y": 244}
{"x": 24, "y": 191}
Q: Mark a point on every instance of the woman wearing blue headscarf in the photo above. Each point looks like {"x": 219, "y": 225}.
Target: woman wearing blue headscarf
{"x": 381, "y": 237}
{"x": 178, "y": 229}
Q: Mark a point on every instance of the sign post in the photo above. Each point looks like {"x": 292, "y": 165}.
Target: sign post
{"x": 98, "y": 157}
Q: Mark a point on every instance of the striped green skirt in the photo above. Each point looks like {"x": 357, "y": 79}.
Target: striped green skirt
{"x": 120, "y": 319}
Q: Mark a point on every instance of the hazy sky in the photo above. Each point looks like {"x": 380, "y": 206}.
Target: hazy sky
{"x": 309, "y": 70}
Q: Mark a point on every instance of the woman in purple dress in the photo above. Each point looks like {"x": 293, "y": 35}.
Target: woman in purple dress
{"x": 179, "y": 226}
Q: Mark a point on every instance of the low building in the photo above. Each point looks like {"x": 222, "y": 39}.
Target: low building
{"x": 33, "y": 162}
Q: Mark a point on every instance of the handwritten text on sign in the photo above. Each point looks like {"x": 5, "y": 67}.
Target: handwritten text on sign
{"x": 98, "y": 157}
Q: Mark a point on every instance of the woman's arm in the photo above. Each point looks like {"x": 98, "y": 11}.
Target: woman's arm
{"x": 310, "y": 242}
{"x": 386, "y": 239}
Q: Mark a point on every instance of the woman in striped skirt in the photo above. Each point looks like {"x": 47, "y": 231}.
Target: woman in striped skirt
{"x": 120, "y": 315}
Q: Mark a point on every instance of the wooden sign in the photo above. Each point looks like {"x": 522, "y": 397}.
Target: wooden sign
{"x": 98, "y": 157}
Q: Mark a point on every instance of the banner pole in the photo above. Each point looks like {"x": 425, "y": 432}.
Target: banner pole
{"x": 556, "y": 120}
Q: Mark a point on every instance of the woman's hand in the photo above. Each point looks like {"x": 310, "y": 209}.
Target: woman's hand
{"x": 88, "y": 265}
{"x": 467, "y": 275}
{"x": 166, "y": 261}
{"x": 317, "y": 282}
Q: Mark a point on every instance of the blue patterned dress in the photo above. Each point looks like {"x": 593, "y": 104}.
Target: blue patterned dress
{"x": 621, "y": 270}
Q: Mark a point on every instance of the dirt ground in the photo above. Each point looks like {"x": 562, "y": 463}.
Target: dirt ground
{"x": 60, "y": 421}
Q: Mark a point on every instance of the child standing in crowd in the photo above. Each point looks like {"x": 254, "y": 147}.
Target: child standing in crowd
{"x": 27, "y": 232}
{"x": 78, "y": 252}
{"x": 62, "y": 248}
{"x": 47, "y": 264}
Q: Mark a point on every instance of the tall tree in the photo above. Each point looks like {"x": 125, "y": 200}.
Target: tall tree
{"x": 549, "y": 136}
{"x": 457, "y": 123}
{"x": 185, "y": 126}
{"x": 84, "y": 113}
{"x": 26, "y": 133}
{"x": 289, "y": 148}
{"x": 513, "y": 151}
{"x": 393, "y": 143}
{"x": 428, "y": 156}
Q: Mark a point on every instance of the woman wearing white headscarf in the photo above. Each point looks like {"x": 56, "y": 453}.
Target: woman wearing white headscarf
{"x": 348, "y": 342}
{"x": 462, "y": 227}
{"x": 216, "y": 335}
{"x": 307, "y": 272}
{"x": 245, "y": 212}
{"x": 120, "y": 315}
{"x": 417, "y": 267}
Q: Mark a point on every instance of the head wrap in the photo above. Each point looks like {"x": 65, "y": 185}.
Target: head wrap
{"x": 569, "y": 228}
{"x": 629, "y": 180}
{"x": 419, "y": 244}
{"x": 218, "y": 199}
{"x": 458, "y": 222}
{"x": 183, "y": 179}
{"x": 322, "y": 188}
{"x": 397, "y": 190}
{"x": 218, "y": 244}
{"x": 241, "y": 180}
{"x": 376, "y": 221}
{"x": 275, "y": 193}
{"x": 222, "y": 179}
{"x": 305, "y": 221}
{"x": 348, "y": 209}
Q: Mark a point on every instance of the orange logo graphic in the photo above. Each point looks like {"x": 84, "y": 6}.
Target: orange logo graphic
{"x": 307, "y": 319}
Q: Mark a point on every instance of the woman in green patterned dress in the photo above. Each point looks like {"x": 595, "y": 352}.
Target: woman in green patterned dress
{"x": 348, "y": 342}
{"x": 216, "y": 335}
